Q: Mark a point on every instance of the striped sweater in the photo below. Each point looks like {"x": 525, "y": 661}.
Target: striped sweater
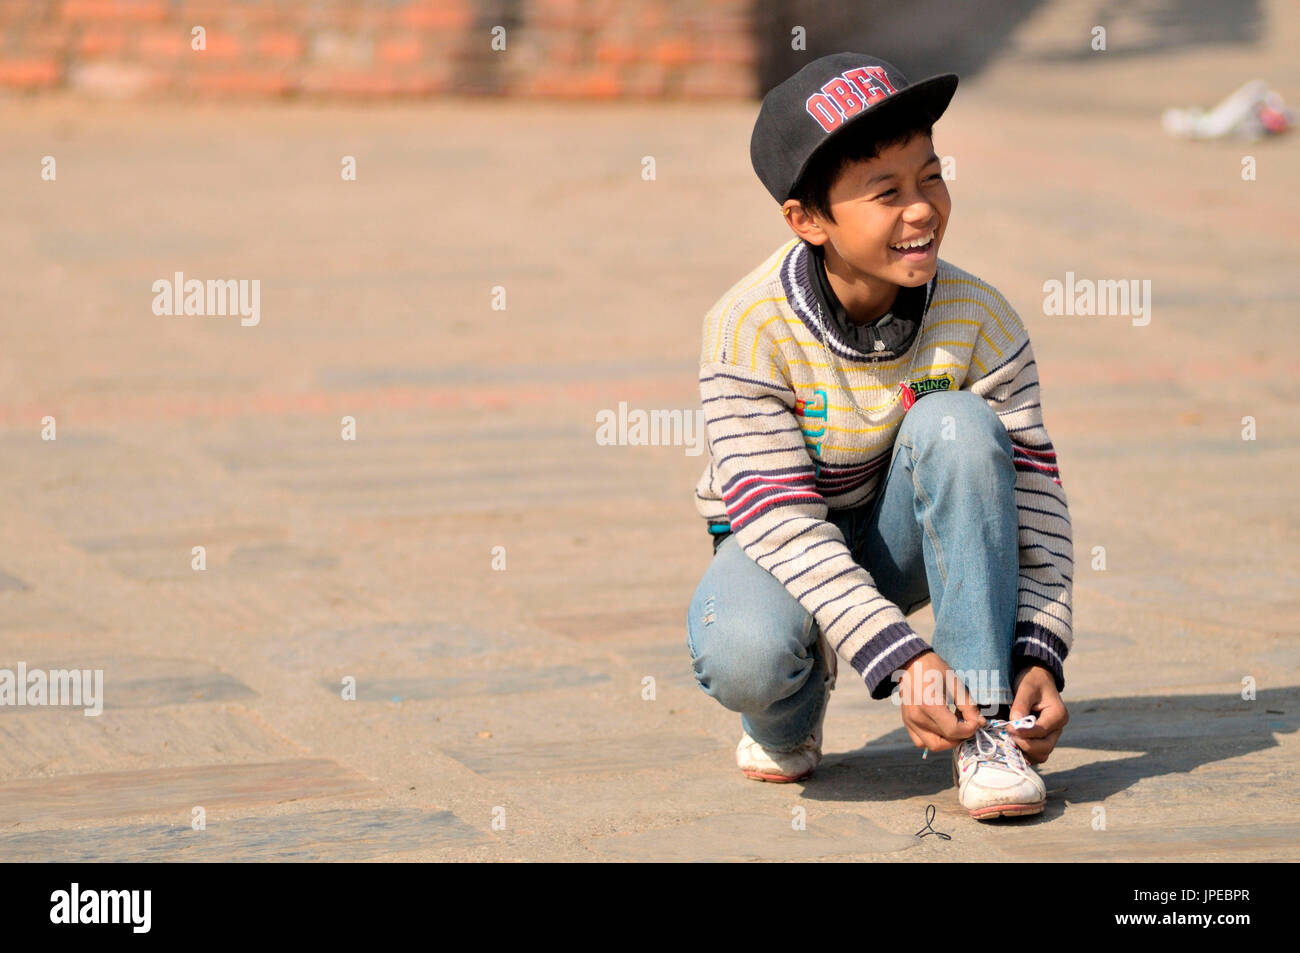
{"x": 786, "y": 446}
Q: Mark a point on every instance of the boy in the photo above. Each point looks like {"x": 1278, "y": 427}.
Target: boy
{"x": 876, "y": 443}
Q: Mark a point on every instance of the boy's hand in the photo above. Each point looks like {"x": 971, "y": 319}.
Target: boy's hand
{"x": 926, "y": 687}
{"x": 1036, "y": 694}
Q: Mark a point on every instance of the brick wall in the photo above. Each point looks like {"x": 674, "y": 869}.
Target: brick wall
{"x": 601, "y": 49}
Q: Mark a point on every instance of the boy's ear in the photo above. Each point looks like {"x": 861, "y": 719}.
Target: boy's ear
{"x": 803, "y": 224}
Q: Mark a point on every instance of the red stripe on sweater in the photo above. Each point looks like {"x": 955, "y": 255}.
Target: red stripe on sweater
{"x": 738, "y": 521}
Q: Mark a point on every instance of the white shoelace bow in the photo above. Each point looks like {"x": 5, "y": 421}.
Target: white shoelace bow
{"x": 993, "y": 745}
{"x": 995, "y": 734}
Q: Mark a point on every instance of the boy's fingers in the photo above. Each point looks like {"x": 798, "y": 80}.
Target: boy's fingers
{"x": 960, "y": 693}
{"x": 946, "y": 725}
{"x": 1053, "y": 717}
{"x": 971, "y": 713}
{"x": 941, "y": 720}
{"x": 1038, "y": 731}
{"x": 1037, "y": 750}
{"x": 936, "y": 742}
{"x": 924, "y": 738}
{"x": 1049, "y": 720}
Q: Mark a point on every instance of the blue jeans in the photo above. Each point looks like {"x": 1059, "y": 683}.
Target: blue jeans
{"x": 943, "y": 529}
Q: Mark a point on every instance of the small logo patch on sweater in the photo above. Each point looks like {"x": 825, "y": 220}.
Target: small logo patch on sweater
{"x": 914, "y": 390}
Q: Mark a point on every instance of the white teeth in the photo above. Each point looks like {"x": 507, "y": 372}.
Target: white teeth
{"x": 903, "y": 246}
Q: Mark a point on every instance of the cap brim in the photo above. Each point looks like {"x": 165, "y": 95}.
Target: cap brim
{"x": 930, "y": 96}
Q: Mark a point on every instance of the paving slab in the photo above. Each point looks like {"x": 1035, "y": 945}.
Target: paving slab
{"x": 508, "y": 593}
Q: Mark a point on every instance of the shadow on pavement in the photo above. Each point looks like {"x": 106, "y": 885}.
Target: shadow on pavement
{"x": 1161, "y": 734}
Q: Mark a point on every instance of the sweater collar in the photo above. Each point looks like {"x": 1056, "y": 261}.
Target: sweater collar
{"x": 807, "y": 288}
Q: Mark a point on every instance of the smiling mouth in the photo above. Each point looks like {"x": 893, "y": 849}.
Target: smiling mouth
{"x": 916, "y": 246}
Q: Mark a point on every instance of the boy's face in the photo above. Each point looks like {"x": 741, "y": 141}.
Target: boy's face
{"x": 898, "y": 197}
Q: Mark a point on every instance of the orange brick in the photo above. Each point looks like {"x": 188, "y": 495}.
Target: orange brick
{"x": 42, "y": 41}
{"x": 601, "y": 84}
{"x": 558, "y": 49}
{"x": 650, "y": 18}
{"x": 97, "y": 42}
{"x": 242, "y": 14}
{"x": 398, "y": 50}
{"x": 118, "y": 80}
{"x": 163, "y": 43}
{"x": 555, "y": 12}
{"x": 219, "y": 46}
{"x": 280, "y": 45}
{"x": 442, "y": 46}
{"x": 673, "y": 52}
{"x": 428, "y": 82}
{"x": 563, "y": 84}
{"x": 735, "y": 49}
{"x": 421, "y": 82}
{"x": 30, "y": 73}
{"x": 12, "y": 12}
{"x": 599, "y": 13}
{"x": 438, "y": 14}
{"x": 646, "y": 80}
{"x": 381, "y": 82}
{"x": 240, "y": 82}
{"x": 538, "y": 84}
{"x": 206, "y": 13}
{"x": 129, "y": 11}
{"x": 616, "y": 52}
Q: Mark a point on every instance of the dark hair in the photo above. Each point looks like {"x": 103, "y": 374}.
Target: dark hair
{"x": 866, "y": 141}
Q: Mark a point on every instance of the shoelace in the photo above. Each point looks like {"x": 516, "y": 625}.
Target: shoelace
{"x": 992, "y": 745}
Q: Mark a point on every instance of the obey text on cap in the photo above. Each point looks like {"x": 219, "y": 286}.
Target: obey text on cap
{"x": 848, "y": 94}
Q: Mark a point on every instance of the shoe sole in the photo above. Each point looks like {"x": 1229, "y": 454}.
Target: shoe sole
{"x": 1007, "y": 810}
{"x": 774, "y": 778}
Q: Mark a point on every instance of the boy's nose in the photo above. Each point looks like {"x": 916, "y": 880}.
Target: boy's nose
{"x": 921, "y": 217}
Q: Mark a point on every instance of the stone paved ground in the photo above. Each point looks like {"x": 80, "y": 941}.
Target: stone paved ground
{"x": 521, "y": 689}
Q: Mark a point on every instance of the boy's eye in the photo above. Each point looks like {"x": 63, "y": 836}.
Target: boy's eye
{"x": 888, "y": 192}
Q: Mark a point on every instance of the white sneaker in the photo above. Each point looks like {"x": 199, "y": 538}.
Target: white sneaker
{"x": 782, "y": 767}
{"x": 993, "y": 778}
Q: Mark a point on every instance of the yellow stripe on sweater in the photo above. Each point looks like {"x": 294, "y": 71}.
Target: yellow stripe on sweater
{"x": 993, "y": 314}
{"x": 863, "y": 409}
{"x": 753, "y": 357}
{"x": 937, "y": 324}
{"x": 949, "y": 344}
{"x": 988, "y": 340}
{"x": 986, "y": 288}
{"x": 740, "y": 322}
{"x": 881, "y": 427}
{"x": 726, "y": 308}
{"x": 939, "y": 367}
{"x": 826, "y": 385}
{"x": 851, "y": 370}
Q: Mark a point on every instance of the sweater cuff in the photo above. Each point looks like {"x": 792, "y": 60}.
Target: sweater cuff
{"x": 1035, "y": 645}
{"x": 890, "y": 649}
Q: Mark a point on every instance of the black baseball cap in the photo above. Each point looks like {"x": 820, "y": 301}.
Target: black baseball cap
{"x": 798, "y": 117}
